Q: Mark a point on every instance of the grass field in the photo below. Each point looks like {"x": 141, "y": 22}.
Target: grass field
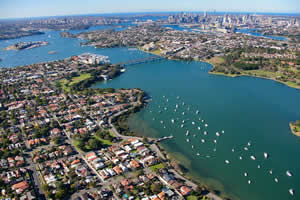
{"x": 105, "y": 142}
{"x": 215, "y": 60}
{"x": 156, "y": 52}
{"x": 65, "y": 84}
{"x": 158, "y": 166}
{"x": 82, "y": 77}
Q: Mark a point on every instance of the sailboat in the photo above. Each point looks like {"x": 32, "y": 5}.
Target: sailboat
{"x": 291, "y": 191}
{"x": 266, "y": 155}
{"x": 227, "y": 161}
{"x": 252, "y": 157}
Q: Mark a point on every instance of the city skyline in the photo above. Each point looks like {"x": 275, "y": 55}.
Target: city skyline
{"x": 34, "y": 8}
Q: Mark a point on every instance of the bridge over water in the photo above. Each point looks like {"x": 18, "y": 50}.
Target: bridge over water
{"x": 139, "y": 61}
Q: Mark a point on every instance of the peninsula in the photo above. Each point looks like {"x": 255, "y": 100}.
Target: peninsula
{"x": 26, "y": 45}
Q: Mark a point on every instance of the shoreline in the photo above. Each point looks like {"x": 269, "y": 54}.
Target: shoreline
{"x": 292, "y": 129}
{"x": 223, "y": 74}
{"x": 249, "y": 75}
{"x": 170, "y": 158}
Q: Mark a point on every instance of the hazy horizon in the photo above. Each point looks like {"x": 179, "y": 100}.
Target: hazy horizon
{"x": 12, "y": 9}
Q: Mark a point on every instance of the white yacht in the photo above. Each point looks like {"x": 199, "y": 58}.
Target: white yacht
{"x": 288, "y": 173}
{"x": 252, "y": 157}
{"x": 187, "y": 133}
{"x": 291, "y": 191}
{"x": 266, "y": 155}
{"x": 227, "y": 161}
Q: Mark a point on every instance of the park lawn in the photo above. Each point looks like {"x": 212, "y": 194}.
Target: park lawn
{"x": 215, "y": 60}
{"x": 80, "y": 78}
{"x": 156, "y": 52}
{"x": 105, "y": 142}
{"x": 263, "y": 73}
{"x": 157, "y": 166}
{"x": 192, "y": 197}
{"x": 64, "y": 84}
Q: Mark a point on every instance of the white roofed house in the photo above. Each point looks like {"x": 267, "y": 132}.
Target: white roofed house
{"x": 149, "y": 160}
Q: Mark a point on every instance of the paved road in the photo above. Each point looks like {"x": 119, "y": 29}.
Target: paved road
{"x": 114, "y": 130}
{"x": 155, "y": 148}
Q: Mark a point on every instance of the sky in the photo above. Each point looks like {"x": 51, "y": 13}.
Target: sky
{"x": 37, "y": 8}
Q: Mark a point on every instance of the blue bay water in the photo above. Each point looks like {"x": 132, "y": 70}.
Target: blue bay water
{"x": 246, "y": 108}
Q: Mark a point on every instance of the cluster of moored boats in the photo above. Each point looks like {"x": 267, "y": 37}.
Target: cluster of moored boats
{"x": 202, "y": 128}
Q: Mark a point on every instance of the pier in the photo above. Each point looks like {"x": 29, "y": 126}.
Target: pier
{"x": 164, "y": 138}
{"x": 139, "y": 61}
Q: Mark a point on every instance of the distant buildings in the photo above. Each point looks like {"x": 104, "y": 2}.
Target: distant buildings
{"x": 89, "y": 58}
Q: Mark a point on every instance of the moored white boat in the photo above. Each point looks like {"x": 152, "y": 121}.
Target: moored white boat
{"x": 288, "y": 173}
{"x": 291, "y": 191}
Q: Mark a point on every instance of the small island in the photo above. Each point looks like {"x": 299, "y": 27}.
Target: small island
{"x": 295, "y": 128}
{"x": 26, "y": 45}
